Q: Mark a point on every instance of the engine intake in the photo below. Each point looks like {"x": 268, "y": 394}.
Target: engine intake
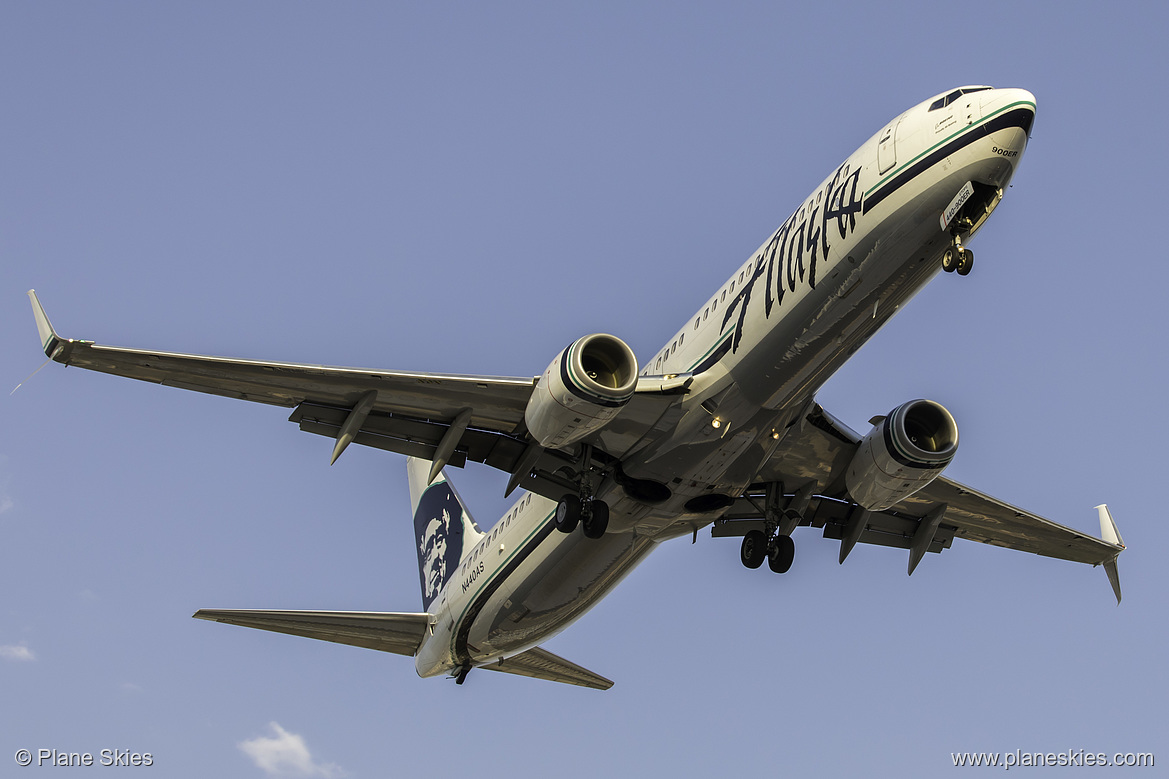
{"x": 581, "y": 391}
{"x": 903, "y": 452}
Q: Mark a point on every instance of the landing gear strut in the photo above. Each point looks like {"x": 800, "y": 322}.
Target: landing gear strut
{"x": 583, "y": 508}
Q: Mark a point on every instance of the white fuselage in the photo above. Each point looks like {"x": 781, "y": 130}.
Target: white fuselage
{"x": 855, "y": 250}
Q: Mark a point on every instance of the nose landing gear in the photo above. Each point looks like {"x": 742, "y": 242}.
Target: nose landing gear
{"x": 958, "y": 258}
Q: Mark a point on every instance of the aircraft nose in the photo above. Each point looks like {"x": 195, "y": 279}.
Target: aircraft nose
{"x": 998, "y": 100}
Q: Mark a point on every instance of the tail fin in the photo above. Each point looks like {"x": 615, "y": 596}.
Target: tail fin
{"x": 443, "y": 528}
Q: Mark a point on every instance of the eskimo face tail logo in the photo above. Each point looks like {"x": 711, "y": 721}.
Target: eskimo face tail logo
{"x": 438, "y": 532}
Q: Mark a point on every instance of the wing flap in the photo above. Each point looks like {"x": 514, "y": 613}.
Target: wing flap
{"x": 396, "y": 632}
{"x": 541, "y": 664}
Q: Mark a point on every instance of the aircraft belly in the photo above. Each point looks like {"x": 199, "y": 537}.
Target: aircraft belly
{"x": 552, "y": 589}
{"x": 862, "y": 290}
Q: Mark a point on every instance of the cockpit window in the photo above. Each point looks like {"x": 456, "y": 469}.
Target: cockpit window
{"x": 942, "y": 102}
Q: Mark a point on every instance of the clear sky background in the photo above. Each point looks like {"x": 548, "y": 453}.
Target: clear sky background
{"x": 468, "y": 188}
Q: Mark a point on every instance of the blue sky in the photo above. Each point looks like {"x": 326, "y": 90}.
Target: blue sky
{"x": 468, "y": 189}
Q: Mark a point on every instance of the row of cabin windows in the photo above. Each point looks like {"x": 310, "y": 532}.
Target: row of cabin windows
{"x": 698, "y": 321}
{"x": 500, "y": 526}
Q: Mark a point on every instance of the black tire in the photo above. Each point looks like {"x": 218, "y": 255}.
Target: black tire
{"x": 567, "y": 514}
{"x": 965, "y": 263}
{"x": 597, "y": 520}
{"x": 754, "y": 549}
{"x": 949, "y": 260}
{"x": 781, "y": 554}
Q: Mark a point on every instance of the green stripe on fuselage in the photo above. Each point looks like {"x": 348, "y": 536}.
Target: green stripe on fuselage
{"x": 893, "y": 173}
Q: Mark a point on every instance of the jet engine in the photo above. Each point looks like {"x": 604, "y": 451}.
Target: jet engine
{"x": 903, "y": 452}
{"x": 582, "y": 390}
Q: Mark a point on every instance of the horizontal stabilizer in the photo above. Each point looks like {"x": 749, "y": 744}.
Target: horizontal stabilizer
{"x": 541, "y": 664}
{"x": 396, "y": 632}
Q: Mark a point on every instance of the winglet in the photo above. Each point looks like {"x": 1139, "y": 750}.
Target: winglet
{"x": 1108, "y": 530}
{"x": 50, "y": 341}
{"x": 1110, "y": 534}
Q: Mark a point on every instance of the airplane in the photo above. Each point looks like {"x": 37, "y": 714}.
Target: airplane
{"x": 719, "y": 428}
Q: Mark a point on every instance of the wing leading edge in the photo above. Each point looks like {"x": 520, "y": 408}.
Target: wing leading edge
{"x": 447, "y": 417}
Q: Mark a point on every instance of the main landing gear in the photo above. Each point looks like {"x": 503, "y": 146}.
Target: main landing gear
{"x": 773, "y": 541}
{"x": 779, "y": 552}
{"x": 589, "y": 512}
{"x": 583, "y": 508}
{"x": 958, "y": 258}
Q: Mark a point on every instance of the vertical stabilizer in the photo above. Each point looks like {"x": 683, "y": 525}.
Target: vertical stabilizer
{"x": 443, "y": 528}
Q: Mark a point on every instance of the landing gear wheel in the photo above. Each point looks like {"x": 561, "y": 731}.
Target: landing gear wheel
{"x": 754, "y": 548}
{"x": 567, "y": 513}
{"x": 965, "y": 262}
{"x": 596, "y": 520}
{"x": 950, "y": 260}
{"x": 781, "y": 554}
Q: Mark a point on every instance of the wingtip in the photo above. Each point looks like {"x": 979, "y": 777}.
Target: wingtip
{"x": 1110, "y": 534}
{"x": 50, "y": 341}
{"x": 1113, "y": 578}
{"x": 1108, "y": 530}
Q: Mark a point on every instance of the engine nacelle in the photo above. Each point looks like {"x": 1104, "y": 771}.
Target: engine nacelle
{"x": 582, "y": 390}
{"x": 903, "y": 452}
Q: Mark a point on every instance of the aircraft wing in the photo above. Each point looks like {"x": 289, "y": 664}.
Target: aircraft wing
{"x": 541, "y": 664}
{"x": 814, "y": 456}
{"x": 394, "y": 632}
{"x": 453, "y": 418}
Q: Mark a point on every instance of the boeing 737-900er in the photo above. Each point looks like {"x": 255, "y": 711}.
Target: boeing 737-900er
{"x": 721, "y": 427}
